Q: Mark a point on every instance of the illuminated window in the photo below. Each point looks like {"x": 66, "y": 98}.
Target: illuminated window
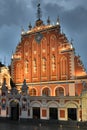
{"x": 43, "y": 64}
{"x": 32, "y": 92}
{"x": 53, "y": 63}
{"x": 63, "y": 66}
{"x": 46, "y": 92}
{"x": 26, "y": 66}
{"x": 18, "y": 71}
{"x": 53, "y": 41}
{"x": 34, "y": 66}
{"x": 59, "y": 91}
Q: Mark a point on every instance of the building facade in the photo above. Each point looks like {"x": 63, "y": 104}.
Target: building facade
{"x": 4, "y": 74}
{"x": 50, "y": 78}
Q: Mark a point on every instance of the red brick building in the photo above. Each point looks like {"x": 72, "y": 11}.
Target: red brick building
{"x": 55, "y": 76}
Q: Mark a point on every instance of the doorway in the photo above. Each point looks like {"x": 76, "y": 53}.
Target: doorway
{"x": 72, "y": 113}
{"x": 36, "y": 112}
{"x": 53, "y": 113}
{"x": 14, "y": 106}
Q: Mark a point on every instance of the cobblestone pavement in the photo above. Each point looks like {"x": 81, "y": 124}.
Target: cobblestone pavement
{"x": 17, "y": 125}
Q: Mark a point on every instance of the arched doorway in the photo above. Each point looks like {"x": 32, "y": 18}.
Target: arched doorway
{"x": 36, "y": 108}
{"x": 14, "y": 107}
{"x": 53, "y": 113}
{"x": 72, "y": 113}
{"x": 53, "y": 110}
{"x": 36, "y": 112}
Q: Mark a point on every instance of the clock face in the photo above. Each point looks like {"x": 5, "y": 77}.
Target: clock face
{"x": 38, "y": 37}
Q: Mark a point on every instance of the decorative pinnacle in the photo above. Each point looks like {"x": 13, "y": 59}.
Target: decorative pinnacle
{"x": 58, "y": 21}
{"x": 48, "y": 20}
{"x": 30, "y": 26}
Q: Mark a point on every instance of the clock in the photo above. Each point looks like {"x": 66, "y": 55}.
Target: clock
{"x": 38, "y": 37}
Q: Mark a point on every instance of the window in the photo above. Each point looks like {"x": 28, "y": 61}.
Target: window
{"x": 43, "y": 64}
{"x": 34, "y": 66}
{"x": 59, "y": 91}
{"x": 46, "y": 92}
{"x": 26, "y": 66}
{"x": 18, "y": 71}
{"x": 53, "y": 63}
{"x": 32, "y": 92}
{"x": 63, "y": 66}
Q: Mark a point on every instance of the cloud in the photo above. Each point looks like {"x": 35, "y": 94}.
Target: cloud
{"x": 68, "y": 4}
{"x": 53, "y": 10}
{"x": 14, "y": 12}
{"x": 9, "y": 38}
{"x": 76, "y": 19}
{"x": 17, "y": 13}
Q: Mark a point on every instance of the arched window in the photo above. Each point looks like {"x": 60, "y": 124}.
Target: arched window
{"x": 53, "y": 41}
{"x": 26, "y": 66}
{"x": 46, "y": 92}
{"x": 32, "y": 92}
{"x": 34, "y": 66}
{"x": 59, "y": 91}
{"x": 43, "y": 64}
{"x": 18, "y": 71}
{"x": 63, "y": 66}
{"x": 34, "y": 46}
{"x": 53, "y": 63}
{"x": 26, "y": 49}
{"x": 44, "y": 46}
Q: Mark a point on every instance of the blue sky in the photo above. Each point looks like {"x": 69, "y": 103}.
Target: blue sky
{"x": 15, "y": 14}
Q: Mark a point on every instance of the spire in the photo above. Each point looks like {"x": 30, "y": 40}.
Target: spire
{"x": 39, "y": 22}
{"x": 38, "y": 11}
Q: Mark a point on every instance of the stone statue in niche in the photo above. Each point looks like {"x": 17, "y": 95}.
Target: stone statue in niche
{"x": 24, "y": 104}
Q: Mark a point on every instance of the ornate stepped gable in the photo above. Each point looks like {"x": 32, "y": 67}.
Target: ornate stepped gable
{"x": 46, "y": 56}
{"x": 41, "y": 43}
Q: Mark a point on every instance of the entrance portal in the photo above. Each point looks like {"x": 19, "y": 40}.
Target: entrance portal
{"x": 14, "y": 106}
{"x": 72, "y": 113}
{"x": 53, "y": 113}
{"x": 36, "y": 112}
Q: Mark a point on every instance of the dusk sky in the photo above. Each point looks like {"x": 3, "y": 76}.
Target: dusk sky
{"x": 17, "y": 14}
